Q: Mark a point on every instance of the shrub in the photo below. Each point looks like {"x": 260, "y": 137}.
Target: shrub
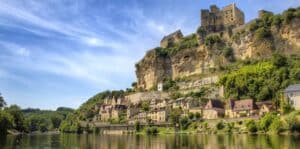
{"x": 288, "y": 15}
{"x": 220, "y": 125}
{"x": 293, "y": 122}
{"x": 191, "y": 116}
{"x": 152, "y": 130}
{"x": 277, "y": 20}
{"x": 212, "y": 39}
{"x": 184, "y": 123}
{"x": 263, "y": 33}
{"x": 198, "y": 115}
{"x": 279, "y": 60}
{"x": 137, "y": 126}
{"x": 276, "y": 125}
{"x": 251, "y": 126}
{"x": 266, "y": 121}
{"x": 228, "y": 53}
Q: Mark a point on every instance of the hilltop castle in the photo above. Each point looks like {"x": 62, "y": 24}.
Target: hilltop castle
{"x": 214, "y": 20}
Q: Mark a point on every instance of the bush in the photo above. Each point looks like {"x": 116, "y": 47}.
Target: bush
{"x": 198, "y": 115}
{"x": 251, "y": 126}
{"x": 279, "y": 60}
{"x": 293, "y": 122}
{"x": 212, "y": 39}
{"x": 137, "y": 126}
{"x": 228, "y": 53}
{"x": 266, "y": 121}
{"x": 288, "y": 15}
{"x": 191, "y": 116}
{"x": 263, "y": 33}
{"x": 220, "y": 125}
{"x": 152, "y": 130}
{"x": 276, "y": 125}
{"x": 184, "y": 123}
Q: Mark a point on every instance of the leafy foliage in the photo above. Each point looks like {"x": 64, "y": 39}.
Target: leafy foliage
{"x": 2, "y": 101}
{"x": 262, "y": 80}
{"x": 187, "y": 42}
{"x": 212, "y": 39}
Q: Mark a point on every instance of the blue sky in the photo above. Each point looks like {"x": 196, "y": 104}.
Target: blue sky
{"x": 61, "y": 52}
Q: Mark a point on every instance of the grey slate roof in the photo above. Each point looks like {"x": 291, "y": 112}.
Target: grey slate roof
{"x": 294, "y": 87}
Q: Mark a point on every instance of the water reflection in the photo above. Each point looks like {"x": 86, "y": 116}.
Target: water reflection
{"x": 74, "y": 141}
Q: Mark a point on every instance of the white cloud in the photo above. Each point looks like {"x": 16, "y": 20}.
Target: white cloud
{"x": 94, "y": 42}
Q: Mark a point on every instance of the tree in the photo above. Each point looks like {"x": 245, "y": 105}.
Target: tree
{"x": 2, "y": 102}
{"x": 191, "y": 116}
{"x": 145, "y": 106}
{"x": 175, "y": 115}
{"x": 198, "y": 115}
{"x": 137, "y": 126}
{"x": 279, "y": 60}
{"x": 184, "y": 123}
{"x": 6, "y": 122}
{"x": 251, "y": 126}
{"x": 18, "y": 117}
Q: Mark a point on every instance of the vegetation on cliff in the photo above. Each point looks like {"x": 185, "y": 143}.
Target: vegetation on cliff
{"x": 185, "y": 43}
{"x": 262, "y": 80}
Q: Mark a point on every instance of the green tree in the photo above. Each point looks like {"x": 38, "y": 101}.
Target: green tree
{"x": 6, "y": 122}
{"x": 251, "y": 125}
{"x": 266, "y": 121}
{"x": 2, "y": 102}
{"x": 137, "y": 126}
{"x": 18, "y": 117}
{"x": 175, "y": 115}
{"x": 184, "y": 123}
{"x": 279, "y": 60}
{"x": 145, "y": 106}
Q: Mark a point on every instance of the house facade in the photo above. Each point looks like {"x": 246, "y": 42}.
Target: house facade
{"x": 292, "y": 95}
{"x": 214, "y": 109}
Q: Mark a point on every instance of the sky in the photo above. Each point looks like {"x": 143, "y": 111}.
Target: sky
{"x": 61, "y": 52}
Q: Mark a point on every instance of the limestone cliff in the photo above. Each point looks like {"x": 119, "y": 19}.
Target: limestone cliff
{"x": 199, "y": 54}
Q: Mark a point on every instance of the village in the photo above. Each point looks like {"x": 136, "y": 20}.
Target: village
{"x": 158, "y": 110}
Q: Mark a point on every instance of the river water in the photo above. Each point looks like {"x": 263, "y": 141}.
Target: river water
{"x": 93, "y": 141}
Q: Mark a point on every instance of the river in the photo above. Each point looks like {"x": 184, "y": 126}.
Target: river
{"x": 92, "y": 141}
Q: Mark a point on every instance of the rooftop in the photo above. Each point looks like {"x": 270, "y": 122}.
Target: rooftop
{"x": 291, "y": 88}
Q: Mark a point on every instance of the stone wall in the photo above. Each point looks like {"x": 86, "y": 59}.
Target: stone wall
{"x": 142, "y": 96}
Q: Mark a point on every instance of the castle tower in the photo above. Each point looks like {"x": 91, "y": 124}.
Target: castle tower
{"x": 215, "y": 20}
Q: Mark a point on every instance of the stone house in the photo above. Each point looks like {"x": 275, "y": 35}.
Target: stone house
{"x": 171, "y": 39}
{"x": 241, "y": 108}
{"x": 158, "y": 103}
{"x": 105, "y": 112}
{"x": 132, "y": 110}
{"x": 140, "y": 117}
{"x": 292, "y": 95}
{"x": 112, "y": 108}
{"x": 265, "y": 107}
{"x": 213, "y": 109}
{"x": 195, "y": 110}
{"x": 158, "y": 116}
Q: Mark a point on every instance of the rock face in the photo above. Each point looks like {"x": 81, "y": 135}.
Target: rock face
{"x": 155, "y": 68}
